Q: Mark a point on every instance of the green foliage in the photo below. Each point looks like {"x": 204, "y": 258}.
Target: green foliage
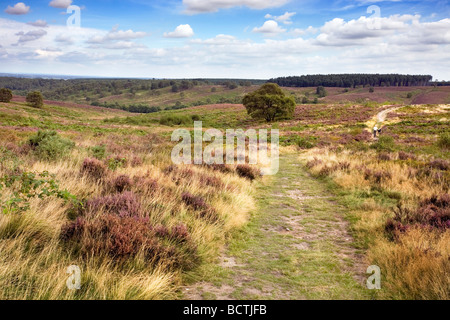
{"x": 35, "y": 99}
{"x": 321, "y": 92}
{"x": 384, "y": 143}
{"x": 116, "y": 163}
{"x": 409, "y": 95}
{"x": 28, "y": 185}
{"x": 5, "y": 95}
{"x": 48, "y": 145}
{"x": 269, "y": 102}
{"x": 371, "y": 89}
{"x": 175, "y": 120}
{"x": 444, "y": 141}
{"x": 98, "y": 151}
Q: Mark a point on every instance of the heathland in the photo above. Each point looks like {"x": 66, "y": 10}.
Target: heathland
{"x": 86, "y": 182}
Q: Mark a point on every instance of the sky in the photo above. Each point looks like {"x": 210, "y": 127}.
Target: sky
{"x": 248, "y": 39}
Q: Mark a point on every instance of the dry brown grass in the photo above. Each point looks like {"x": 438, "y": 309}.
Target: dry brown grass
{"x": 34, "y": 258}
{"x": 416, "y": 264}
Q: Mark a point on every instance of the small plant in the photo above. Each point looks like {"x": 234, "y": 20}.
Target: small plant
{"x": 93, "y": 168}
{"x": 28, "y": 185}
{"x": 117, "y": 162}
{"x": 121, "y": 183}
{"x": 98, "y": 152}
{"x": 124, "y": 204}
{"x": 431, "y": 213}
{"x": 384, "y": 143}
{"x": 444, "y": 141}
{"x": 48, "y": 145}
{"x": 246, "y": 171}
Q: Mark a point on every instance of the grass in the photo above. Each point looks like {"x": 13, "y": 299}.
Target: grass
{"x": 293, "y": 244}
{"x": 274, "y": 263}
{"x": 34, "y": 254}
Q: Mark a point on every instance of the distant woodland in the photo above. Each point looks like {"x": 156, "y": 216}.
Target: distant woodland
{"x": 354, "y": 80}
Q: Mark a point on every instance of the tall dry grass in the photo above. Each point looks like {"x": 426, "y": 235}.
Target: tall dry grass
{"x": 416, "y": 263}
{"x": 34, "y": 258}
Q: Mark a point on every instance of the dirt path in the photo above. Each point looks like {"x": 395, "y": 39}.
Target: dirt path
{"x": 381, "y": 117}
{"x": 297, "y": 246}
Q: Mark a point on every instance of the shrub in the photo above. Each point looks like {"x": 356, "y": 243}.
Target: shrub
{"x": 219, "y": 167}
{"x": 246, "y": 171}
{"x": 98, "y": 152}
{"x": 444, "y": 141}
{"x": 431, "y": 213}
{"x": 439, "y": 164}
{"x": 304, "y": 143}
{"x": 175, "y": 120}
{"x": 125, "y": 237}
{"x": 27, "y": 185}
{"x": 211, "y": 181}
{"x": 313, "y": 163}
{"x": 124, "y": 204}
{"x": 197, "y": 203}
{"x": 195, "y": 117}
{"x": 48, "y": 145}
{"x": 5, "y": 95}
{"x": 116, "y": 162}
{"x": 384, "y": 143}
{"x": 406, "y": 156}
{"x": 93, "y": 168}
{"x": 384, "y": 156}
{"x": 377, "y": 176}
{"x": 35, "y": 99}
{"x": 121, "y": 183}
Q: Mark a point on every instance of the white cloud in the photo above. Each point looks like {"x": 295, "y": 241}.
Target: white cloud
{"x": 203, "y": 6}
{"x": 182, "y": 31}
{"x": 30, "y": 35}
{"x": 39, "y": 23}
{"x": 269, "y": 28}
{"x": 403, "y": 44}
{"x": 116, "y": 35}
{"x": 61, "y": 4}
{"x": 285, "y": 18}
{"x": 301, "y": 32}
{"x": 18, "y": 9}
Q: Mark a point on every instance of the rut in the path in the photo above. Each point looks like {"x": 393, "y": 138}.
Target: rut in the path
{"x": 297, "y": 246}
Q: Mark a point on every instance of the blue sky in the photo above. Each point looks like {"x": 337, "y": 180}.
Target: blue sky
{"x": 225, "y": 38}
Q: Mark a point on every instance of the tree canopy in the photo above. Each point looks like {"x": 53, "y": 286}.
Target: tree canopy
{"x": 5, "y": 95}
{"x": 269, "y": 102}
{"x": 35, "y": 99}
{"x": 353, "y": 80}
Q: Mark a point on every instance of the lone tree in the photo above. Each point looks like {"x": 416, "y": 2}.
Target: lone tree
{"x": 269, "y": 102}
{"x": 321, "y": 92}
{"x": 5, "y": 95}
{"x": 35, "y": 99}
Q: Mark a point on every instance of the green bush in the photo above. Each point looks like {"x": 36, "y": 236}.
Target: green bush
{"x": 384, "y": 143}
{"x": 27, "y": 185}
{"x": 48, "y": 145}
{"x": 175, "y": 120}
{"x": 98, "y": 151}
{"x": 5, "y": 95}
{"x": 444, "y": 141}
{"x": 35, "y": 99}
